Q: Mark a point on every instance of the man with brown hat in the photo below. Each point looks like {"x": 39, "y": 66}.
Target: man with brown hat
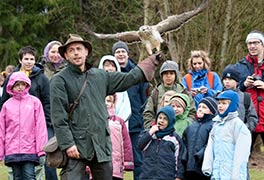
{"x": 85, "y": 136}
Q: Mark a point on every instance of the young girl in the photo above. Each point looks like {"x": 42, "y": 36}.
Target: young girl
{"x": 162, "y": 148}
{"x": 23, "y": 131}
{"x": 181, "y": 105}
{"x": 228, "y": 149}
{"x": 195, "y": 138}
{"x": 122, "y": 155}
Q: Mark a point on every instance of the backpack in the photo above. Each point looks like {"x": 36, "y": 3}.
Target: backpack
{"x": 210, "y": 77}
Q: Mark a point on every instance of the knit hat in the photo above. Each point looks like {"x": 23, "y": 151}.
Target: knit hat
{"x": 211, "y": 103}
{"x": 119, "y": 44}
{"x": 233, "y": 97}
{"x": 255, "y": 35}
{"x": 179, "y": 100}
{"x": 231, "y": 72}
{"x": 169, "y": 112}
{"x": 169, "y": 65}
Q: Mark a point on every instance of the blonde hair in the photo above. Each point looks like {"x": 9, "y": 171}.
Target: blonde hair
{"x": 169, "y": 94}
{"x": 202, "y": 54}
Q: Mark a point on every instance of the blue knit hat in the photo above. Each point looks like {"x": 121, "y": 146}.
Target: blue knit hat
{"x": 231, "y": 72}
{"x": 119, "y": 44}
{"x": 170, "y": 113}
{"x": 233, "y": 97}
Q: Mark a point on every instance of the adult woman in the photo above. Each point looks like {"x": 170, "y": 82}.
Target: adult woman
{"x": 200, "y": 81}
{"x": 51, "y": 59}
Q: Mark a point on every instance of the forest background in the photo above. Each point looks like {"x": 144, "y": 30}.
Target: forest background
{"x": 220, "y": 29}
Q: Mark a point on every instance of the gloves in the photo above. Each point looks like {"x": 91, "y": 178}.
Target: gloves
{"x": 149, "y": 65}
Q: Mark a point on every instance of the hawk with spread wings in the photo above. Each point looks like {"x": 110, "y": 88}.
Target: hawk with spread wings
{"x": 151, "y": 35}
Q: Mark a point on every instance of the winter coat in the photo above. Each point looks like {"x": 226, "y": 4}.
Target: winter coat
{"x": 40, "y": 88}
{"x": 50, "y": 70}
{"x": 199, "y": 79}
{"x": 122, "y": 155}
{"x": 248, "y": 66}
{"x": 88, "y": 128}
{"x": 138, "y": 96}
{"x": 228, "y": 149}
{"x": 161, "y": 157}
{"x": 195, "y": 138}
{"x": 23, "y": 131}
{"x": 149, "y": 112}
{"x": 123, "y": 107}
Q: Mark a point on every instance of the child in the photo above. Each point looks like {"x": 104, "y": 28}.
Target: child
{"x": 122, "y": 155}
{"x": 165, "y": 99}
{"x": 181, "y": 105}
{"x": 246, "y": 109}
{"x": 195, "y": 138}
{"x": 227, "y": 152}
{"x": 162, "y": 148}
{"x": 23, "y": 131}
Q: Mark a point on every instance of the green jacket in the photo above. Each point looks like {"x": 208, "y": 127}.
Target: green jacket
{"x": 88, "y": 129}
{"x": 149, "y": 112}
{"x": 183, "y": 120}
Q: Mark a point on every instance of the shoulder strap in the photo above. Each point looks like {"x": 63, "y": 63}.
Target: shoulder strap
{"x": 188, "y": 78}
{"x": 76, "y": 101}
{"x": 154, "y": 96}
{"x": 210, "y": 77}
{"x": 246, "y": 104}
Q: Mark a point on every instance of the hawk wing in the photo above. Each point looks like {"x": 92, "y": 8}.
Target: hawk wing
{"x": 175, "y": 22}
{"x": 127, "y": 36}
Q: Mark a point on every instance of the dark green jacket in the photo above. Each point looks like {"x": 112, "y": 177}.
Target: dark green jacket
{"x": 88, "y": 129}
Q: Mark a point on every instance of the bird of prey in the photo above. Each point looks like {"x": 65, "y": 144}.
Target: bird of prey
{"x": 151, "y": 35}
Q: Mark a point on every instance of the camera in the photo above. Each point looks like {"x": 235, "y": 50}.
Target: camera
{"x": 197, "y": 90}
{"x": 255, "y": 78}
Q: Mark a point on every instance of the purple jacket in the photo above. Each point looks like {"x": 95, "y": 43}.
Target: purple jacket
{"x": 23, "y": 131}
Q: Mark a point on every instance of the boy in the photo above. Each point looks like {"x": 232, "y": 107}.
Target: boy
{"x": 195, "y": 138}
{"x": 246, "y": 109}
{"x": 162, "y": 148}
{"x": 228, "y": 149}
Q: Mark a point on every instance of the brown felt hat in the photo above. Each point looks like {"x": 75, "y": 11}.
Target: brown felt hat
{"x": 75, "y": 38}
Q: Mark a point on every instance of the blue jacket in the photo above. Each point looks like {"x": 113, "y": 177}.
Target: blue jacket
{"x": 228, "y": 149}
{"x": 200, "y": 79}
{"x": 137, "y": 96}
{"x": 195, "y": 138}
{"x": 161, "y": 157}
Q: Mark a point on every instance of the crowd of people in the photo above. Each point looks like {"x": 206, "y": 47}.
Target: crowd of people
{"x": 202, "y": 126}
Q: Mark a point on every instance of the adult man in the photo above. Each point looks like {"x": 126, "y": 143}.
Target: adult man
{"x": 85, "y": 137}
{"x": 137, "y": 97}
{"x": 39, "y": 87}
{"x": 169, "y": 81}
{"x": 252, "y": 78}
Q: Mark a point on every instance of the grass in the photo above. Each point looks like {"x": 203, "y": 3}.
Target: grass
{"x": 255, "y": 174}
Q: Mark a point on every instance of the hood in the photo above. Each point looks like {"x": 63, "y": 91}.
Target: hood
{"x": 17, "y": 76}
{"x": 186, "y": 99}
{"x": 109, "y": 58}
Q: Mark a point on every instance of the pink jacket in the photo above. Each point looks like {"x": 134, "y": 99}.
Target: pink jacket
{"x": 22, "y": 122}
{"x": 122, "y": 155}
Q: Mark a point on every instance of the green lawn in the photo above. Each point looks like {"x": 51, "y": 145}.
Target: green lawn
{"x": 254, "y": 174}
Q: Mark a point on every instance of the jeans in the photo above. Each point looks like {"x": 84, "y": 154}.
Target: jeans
{"x": 24, "y": 171}
{"x": 39, "y": 170}
{"x": 75, "y": 169}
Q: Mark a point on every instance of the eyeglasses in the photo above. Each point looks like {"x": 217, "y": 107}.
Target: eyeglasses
{"x": 253, "y": 43}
